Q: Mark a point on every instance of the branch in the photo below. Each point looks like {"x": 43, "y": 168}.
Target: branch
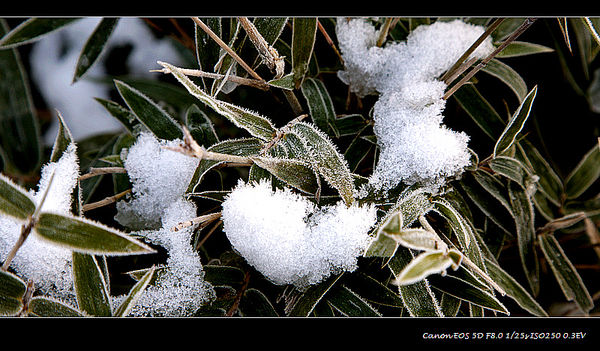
{"x": 102, "y": 170}
{"x": 106, "y": 201}
{"x": 255, "y": 83}
{"x": 269, "y": 55}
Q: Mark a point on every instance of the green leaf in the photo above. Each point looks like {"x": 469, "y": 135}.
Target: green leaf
{"x": 63, "y": 139}
{"x": 323, "y": 154}
{"x": 516, "y": 123}
{"x": 303, "y": 41}
{"x": 134, "y": 294}
{"x": 468, "y": 292}
{"x": 149, "y": 113}
{"x": 255, "y": 304}
{"x": 350, "y": 124}
{"x": 508, "y": 76}
{"x": 122, "y": 114}
{"x": 46, "y": 307}
{"x": 257, "y": 125}
{"x": 12, "y": 290}
{"x": 505, "y": 29}
{"x": 297, "y": 174}
{"x": 480, "y": 110}
{"x": 200, "y": 126}
{"x": 510, "y": 168}
{"x": 320, "y": 106}
{"x": 32, "y": 30}
{"x": 427, "y": 263}
{"x": 584, "y": 174}
{"x": 418, "y": 298}
{"x": 207, "y": 50}
{"x": 348, "y": 303}
{"x": 522, "y": 48}
{"x": 549, "y": 183}
{"x": 514, "y": 290}
{"x": 90, "y": 287}
{"x": 565, "y": 273}
{"x": 83, "y": 235}
{"x": 356, "y": 152}
{"x": 307, "y": 302}
{"x": 94, "y": 46}
{"x": 237, "y": 147}
{"x": 373, "y": 291}
{"x": 19, "y": 131}
{"x": 223, "y": 275}
{"x": 383, "y": 245}
{"x": 524, "y": 219}
{"x": 418, "y": 239}
{"x": 14, "y": 200}
{"x": 286, "y": 82}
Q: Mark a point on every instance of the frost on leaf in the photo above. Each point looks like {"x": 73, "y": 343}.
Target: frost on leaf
{"x": 158, "y": 175}
{"x": 289, "y": 239}
{"x": 415, "y": 146}
{"x": 49, "y": 266}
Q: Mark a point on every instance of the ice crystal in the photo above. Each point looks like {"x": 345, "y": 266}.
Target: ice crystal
{"x": 415, "y": 145}
{"x": 289, "y": 239}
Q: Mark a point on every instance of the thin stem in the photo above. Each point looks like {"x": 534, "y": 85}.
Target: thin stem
{"x": 225, "y": 47}
{"x": 239, "y": 295}
{"x": 268, "y": 53}
{"x": 329, "y": 41}
{"x": 384, "y": 31}
{"x": 212, "y": 230}
{"x": 528, "y": 22}
{"x": 102, "y": 170}
{"x": 470, "y": 50}
{"x": 204, "y": 220}
{"x": 260, "y": 84}
{"x": 25, "y": 231}
{"x": 106, "y": 201}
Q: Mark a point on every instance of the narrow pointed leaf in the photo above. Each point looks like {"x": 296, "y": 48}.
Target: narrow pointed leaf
{"x": 418, "y": 298}
{"x": 134, "y": 294}
{"x": 19, "y": 131}
{"x": 350, "y": 304}
{"x": 425, "y": 264}
{"x": 303, "y": 41}
{"x": 257, "y": 125}
{"x": 320, "y": 106}
{"x": 383, "y": 245}
{"x": 207, "y": 50}
{"x": 306, "y": 303}
{"x": 584, "y": 174}
{"x": 122, "y": 114}
{"x": 522, "y": 48}
{"x": 373, "y": 291}
{"x": 94, "y": 46}
{"x": 510, "y": 168}
{"x": 63, "y": 139}
{"x": 32, "y": 30}
{"x": 14, "y": 200}
{"x": 223, "y": 275}
{"x": 200, "y": 126}
{"x": 12, "y": 289}
{"x": 565, "y": 273}
{"x": 418, "y": 239}
{"x": 524, "y": 218}
{"x": 86, "y": 236}
{"x": 514, "y": 290}
{"x": 297, "y": 174}
{"x": 255, "y": 304}
{"x": 149, "y": 113}
{"x": 516, "y": 123}
{"x": 549, "y": 183}
{"x": 323, "y": 154}
{"x": 46, "y": 307}
{"x": 468, "y": 292}
{"x": 480, "y": 110}
{"x": 90, "y": 287}
{"x": 508, "y": 76}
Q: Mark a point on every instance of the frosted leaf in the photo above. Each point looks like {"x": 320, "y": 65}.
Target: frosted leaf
{"x": 291, "y": 241}
{"x": 180, "y": 288}
{"x": 159, "y": 176}
{"x": 49, "y": 266}
{"x": 415, "y": 146}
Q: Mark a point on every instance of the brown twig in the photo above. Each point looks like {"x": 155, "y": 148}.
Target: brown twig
{"x": 226, "y": 47}
{"x": 268, "y": 54}
{"x": 528, "y": 22}
{"x": 106, "y": 201}
{"x": 384, "y": 31}
{"x": 102, "y": 170}
{"x": 212, "y": 230}
{"x": 238, "y": 298}
{"x": 203, "y": 220}
{"x": 329, "y": 41}
{"x": 255, "y": 83}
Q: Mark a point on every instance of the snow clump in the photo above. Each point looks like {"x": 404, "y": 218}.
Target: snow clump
{"x": 289, "y": 239}
{"x": 415, "y": 146}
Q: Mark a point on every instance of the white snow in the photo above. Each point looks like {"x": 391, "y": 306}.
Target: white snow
{"x": 53, "y": 60}
{"x": 159, "y": 176}
{"x": 415, "y": 145}
{"x": 289, "y": 239}
{"x": 49, "y": 266}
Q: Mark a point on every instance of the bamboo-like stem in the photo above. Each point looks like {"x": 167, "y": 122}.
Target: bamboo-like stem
{"x": 226, "y": 47}
{"x": 329, "y": 41}
{"x": 384, "y": 31}
{"x": 204, "y": 220}
{"x": 452, "y": 72}
{"x": 106, "y": 201}
{"x": 528, "y": 22}
{"x": 255, "y": 83}
{"x": 25, "y": 231}
{"x": 268, "y": 53}
{"x": 102, "y": 170}
{"x": 210, "y": 232}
